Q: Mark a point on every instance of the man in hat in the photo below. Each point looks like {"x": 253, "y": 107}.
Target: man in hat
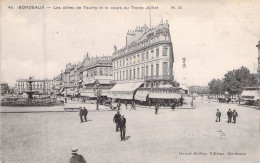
{"x": 116, "y": 119}
{"x": 235, "y": 115}
{"x": 229, "y": 114}
{"x": 81, "y": 114}
{"x": 218, "y": 115}
{"x": 76, "y": 158}
{"x": 122, "y": 127}
{"x": 85, "y": 113}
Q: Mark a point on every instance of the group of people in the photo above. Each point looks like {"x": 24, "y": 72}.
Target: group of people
{"x": 120, "y": 124}
{"x": 83, "y": 112}
{"x": 132, "y": 105}
{"x": 231, "y": 114}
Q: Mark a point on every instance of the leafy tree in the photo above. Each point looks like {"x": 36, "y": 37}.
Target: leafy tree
{"x": 234, "y": 81}
{"x": 199, "y": 89}
{"x": 216, "y": 86}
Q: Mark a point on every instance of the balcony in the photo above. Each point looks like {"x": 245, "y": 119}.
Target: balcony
{"x": 162, "y": 77}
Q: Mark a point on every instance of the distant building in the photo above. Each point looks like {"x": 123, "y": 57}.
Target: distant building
{"x": 41, "y": 86}
{"x": 4, "y": 88}
{"x": 99, "y": 70}
{"x": 145, "y": 62}
{"x": 49, "y": 85}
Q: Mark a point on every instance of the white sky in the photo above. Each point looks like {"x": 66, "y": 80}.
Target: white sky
{"x": 215, "y": 37}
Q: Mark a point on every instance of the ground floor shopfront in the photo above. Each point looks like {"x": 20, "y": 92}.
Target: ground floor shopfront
{"x": 135, "y": 91}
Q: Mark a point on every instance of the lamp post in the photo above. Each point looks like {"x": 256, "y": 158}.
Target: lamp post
{"x": 97, "y": 91}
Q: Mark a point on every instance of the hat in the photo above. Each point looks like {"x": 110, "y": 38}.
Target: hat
{"x": 74, "y": 150}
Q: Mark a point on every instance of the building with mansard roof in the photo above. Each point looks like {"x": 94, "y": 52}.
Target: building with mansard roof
{"x": 144, "y": 64}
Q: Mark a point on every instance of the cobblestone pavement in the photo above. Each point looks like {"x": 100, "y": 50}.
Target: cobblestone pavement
{"x": 183, "y": 135}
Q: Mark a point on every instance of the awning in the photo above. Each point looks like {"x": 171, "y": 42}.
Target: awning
{"x": 164, "y": 95}
{"x": 91, "y": 81}
{"x": 104, "y": 92}
{"x": 125, "y": 87}
{"x": 90, "y": 93}
{"x": 141, "y": 95}
{"x": 250, "y": 94}
{"x": 123, "y": 90}
{"x": 104, "y": 81}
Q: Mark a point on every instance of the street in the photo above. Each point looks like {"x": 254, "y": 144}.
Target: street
{"x": 182, "y": 135}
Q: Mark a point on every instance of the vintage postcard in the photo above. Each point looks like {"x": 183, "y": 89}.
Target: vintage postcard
{"x": 130, "y": 81}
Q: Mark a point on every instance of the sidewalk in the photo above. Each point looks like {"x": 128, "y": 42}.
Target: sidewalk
{"x": 164, "y": 107}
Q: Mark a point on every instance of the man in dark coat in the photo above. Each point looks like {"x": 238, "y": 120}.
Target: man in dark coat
{"x": 81, "y": 114}
{"x": 229, "y": 114}
{"x": 156, "y": 108}
{"x": 116, "y": 119}
{"x": 122, "y": 127}
{"x": 85, "y": 113}
{"x": 76, "y": 158}
{"x": 218, "y": 115}
{"x": 235, "y": 115}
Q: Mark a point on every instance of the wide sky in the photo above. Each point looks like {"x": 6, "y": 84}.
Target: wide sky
{"x": 214, "y": 37}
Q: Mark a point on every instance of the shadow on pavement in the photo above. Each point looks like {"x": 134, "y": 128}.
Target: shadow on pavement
{"x": 127, "y": 137}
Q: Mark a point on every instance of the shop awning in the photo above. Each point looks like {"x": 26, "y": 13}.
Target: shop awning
{"x": 250, "y": 94}
{"x": 141, "y": 95}
{"x": 91, "y": 81}
{"x": 90, "y": 93}
{"x": 164, "y": 95}
{"x": 123, "y": 90}
{"x": 125, "y": 87}
{"x": 87, "y": 94}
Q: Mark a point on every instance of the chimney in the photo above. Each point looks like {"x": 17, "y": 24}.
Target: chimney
{"x": 115, "y": 48}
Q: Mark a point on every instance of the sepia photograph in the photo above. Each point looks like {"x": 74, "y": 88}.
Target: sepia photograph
{"x": 148, "y": 81}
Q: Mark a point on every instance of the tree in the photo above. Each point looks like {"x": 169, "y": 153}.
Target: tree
{"x": 216, "y": 86}
{"x": 235, "y": 80}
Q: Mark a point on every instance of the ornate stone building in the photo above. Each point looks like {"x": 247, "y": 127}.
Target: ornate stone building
{"x": 145, "y": 62}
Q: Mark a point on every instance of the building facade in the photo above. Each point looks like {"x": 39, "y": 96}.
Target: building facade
{"x": 99, "y": 70}
{"x": 148, "y": 57}
{"x": 23, "y": 85}
{"x": 145, "y": 63}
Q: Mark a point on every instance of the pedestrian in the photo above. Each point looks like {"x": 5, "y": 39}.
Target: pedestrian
{"x": 76, "y": 158}
{"x": 81, "y": 114}
{"x": 133, "y": 105}
{"x": 126, "y": 105}
{"x": 122, "y": 126}
{"x": 229, "y": 114}
{"x": 173, "y": 105}
{"x": 235, "y": 115}
{"x": 118, "y": 105}
{"x": 116, "y": 119}
{"x": 218, "y": 115}
{"x": 156, "y": 108}
{"x": 85, "y": 113}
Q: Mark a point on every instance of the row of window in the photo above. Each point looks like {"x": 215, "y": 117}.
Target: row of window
{"x": 106, "y": 72}
{"x": 135, "y": 73}
{"x": 139, "y": 57}
{"x": 34, "y": 86}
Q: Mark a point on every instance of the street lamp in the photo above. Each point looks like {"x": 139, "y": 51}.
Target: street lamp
{"x": 97, "y": 91}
